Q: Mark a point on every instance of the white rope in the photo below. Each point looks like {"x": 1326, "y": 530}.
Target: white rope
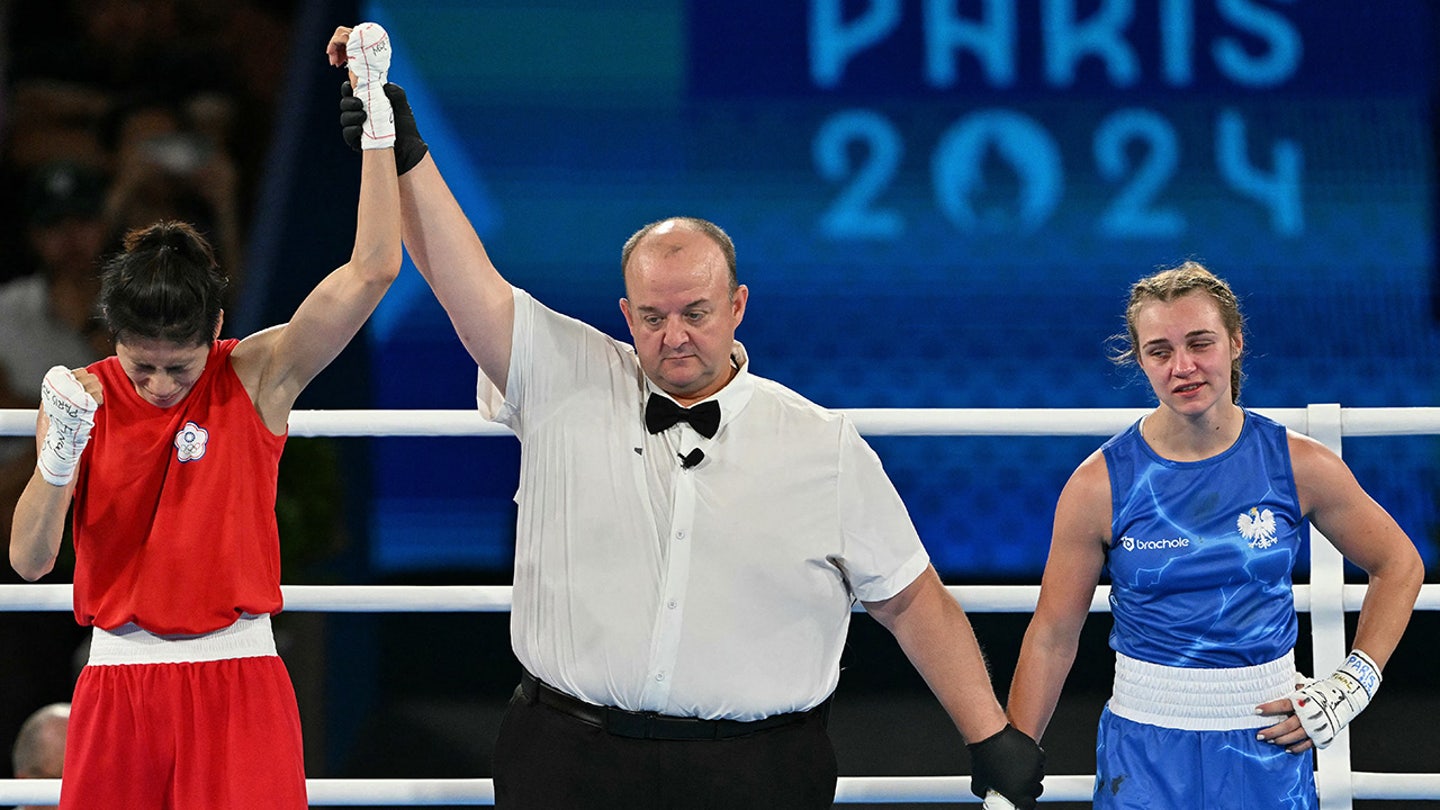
{"x": 353, "y": 792}
{"x": 496, "y": 598}
{"x": 1395, "y": 785}
{"x": 993, "y": 421}
{"x": 420, "y": 792}
{"x": 398, "y": 598}
{"x": 870, "y": 421}
{"x": 43, "y": 792}
{"x": 849, "y": 790}
{"x": 874, "y": 422}
{"x": 948, "y": 789}
{"x": 321, "y": 792}
{"x": 394, "y": 423}
{"x": 1389, "y": 421}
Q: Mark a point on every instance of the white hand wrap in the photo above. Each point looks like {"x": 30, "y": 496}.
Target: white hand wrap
{"x": 368, "y": 55}
{"x": 72, "y": 414}
{"x": 994, "y": 801}
{"x": 1329, "y": 704}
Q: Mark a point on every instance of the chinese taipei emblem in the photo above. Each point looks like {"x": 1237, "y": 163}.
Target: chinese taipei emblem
{"x": 190, "y": 442}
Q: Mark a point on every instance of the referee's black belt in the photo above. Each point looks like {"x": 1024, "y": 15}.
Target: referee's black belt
{"x": 653, "y": 726}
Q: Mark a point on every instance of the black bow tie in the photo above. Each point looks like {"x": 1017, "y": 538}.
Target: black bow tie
{"x": 661, "y": 413}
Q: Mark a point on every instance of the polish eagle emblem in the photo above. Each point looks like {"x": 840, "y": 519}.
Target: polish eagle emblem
{"x": 1258, "y": 527}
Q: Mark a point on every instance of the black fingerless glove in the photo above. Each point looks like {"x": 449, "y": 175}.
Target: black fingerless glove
{"x": 409, "y": 146}
{"x": 1011, "y": 764}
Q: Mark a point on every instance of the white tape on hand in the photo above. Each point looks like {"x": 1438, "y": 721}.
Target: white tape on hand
{"x": 368, "y": 55}
{"x": 1327, "y": 706}
{"x": 71, "y": 411}
{"x": 994, "y": 801}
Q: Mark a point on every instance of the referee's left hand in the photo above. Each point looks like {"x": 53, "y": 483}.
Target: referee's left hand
{"x": 1011, "y": 764}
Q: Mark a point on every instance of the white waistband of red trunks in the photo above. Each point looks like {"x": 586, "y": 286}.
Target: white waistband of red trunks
{"x": 1199, "y": 699}
{"x": 249, "y": 637}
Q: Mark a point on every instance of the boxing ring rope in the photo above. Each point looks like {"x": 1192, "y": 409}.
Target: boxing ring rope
{"x": 1327, "y": 598}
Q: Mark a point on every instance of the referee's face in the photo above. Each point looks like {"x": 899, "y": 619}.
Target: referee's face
{"x": 682, "y": 313}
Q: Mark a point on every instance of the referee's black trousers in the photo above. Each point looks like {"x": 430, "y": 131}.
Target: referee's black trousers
{"x": 546, "y": 759}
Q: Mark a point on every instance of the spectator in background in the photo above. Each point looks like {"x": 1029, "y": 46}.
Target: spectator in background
{"x": 116, "y": 45}
{"x": 39, "y": 751}
{"x": 49, "y": 122}
{"x": 73, "y": 63}
{"x": 48, "y": 317}
{"x": 172, "y": 162}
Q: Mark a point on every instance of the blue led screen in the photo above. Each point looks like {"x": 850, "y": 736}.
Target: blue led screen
{"x": 935, "y": 204}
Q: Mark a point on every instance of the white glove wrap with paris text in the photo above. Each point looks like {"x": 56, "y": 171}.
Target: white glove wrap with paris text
{"x": 1327, "y": 706}
{"x": 72, "y": 415}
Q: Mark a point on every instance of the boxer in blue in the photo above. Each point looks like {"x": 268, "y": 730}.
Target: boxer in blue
{"x": 1195, "y": 512}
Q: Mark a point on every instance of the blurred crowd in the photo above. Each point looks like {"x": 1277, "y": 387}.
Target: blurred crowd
{"x": 113, "y": 114}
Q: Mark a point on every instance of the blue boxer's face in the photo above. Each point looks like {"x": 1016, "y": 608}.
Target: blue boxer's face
{"x": 1186, "y": 352}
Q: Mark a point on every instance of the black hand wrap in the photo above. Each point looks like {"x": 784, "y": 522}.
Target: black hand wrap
{"x": 1011, "y": 764}
{"x": 409, "y": 146}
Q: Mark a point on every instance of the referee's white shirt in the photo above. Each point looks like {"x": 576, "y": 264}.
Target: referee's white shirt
{"x": 719, "y": 591}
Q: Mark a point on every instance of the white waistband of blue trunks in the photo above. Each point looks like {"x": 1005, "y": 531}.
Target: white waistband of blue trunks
{"x": 1196, "y": 699}
{"x": 249, "y": 637}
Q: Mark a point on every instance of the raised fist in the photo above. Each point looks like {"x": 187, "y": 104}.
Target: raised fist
{"x": 70, "y": 410}
{"x": 367, "y": 53}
